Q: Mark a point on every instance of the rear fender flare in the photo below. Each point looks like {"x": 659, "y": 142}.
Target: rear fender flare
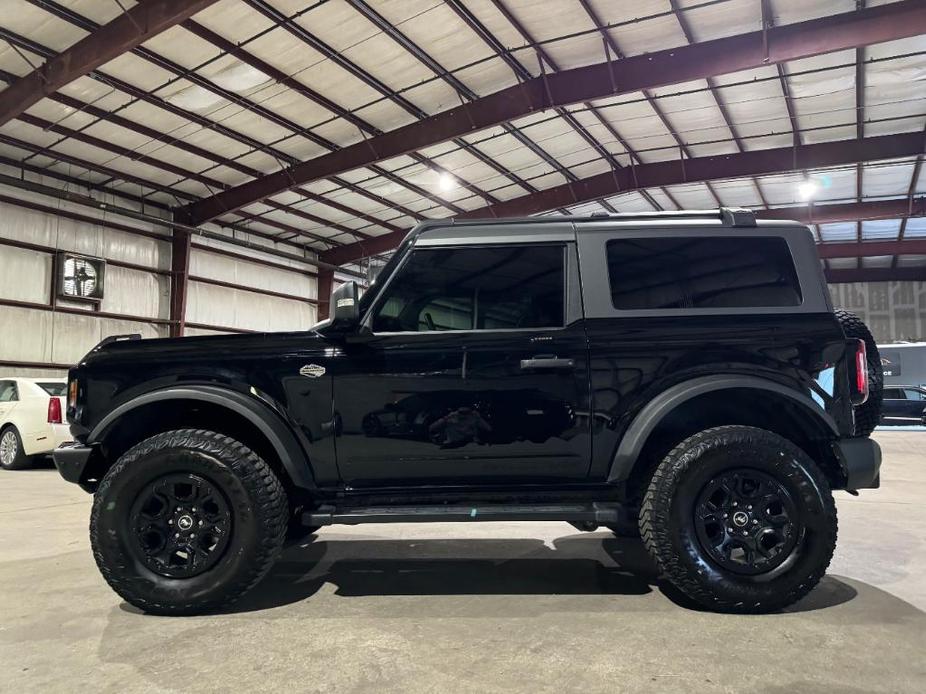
{"x": 274, "y": 429}
{"x": 658, "y": 408}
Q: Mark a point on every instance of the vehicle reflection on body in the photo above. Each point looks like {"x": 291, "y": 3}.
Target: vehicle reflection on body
{"x": 452, "y": 419}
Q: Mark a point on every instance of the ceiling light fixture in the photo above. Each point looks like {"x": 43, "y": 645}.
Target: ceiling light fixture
{"x": 447, "y": 182}
{"x": 806, "y": 189}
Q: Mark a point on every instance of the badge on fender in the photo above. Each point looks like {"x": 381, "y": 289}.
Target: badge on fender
{"x": 312, "y": 371}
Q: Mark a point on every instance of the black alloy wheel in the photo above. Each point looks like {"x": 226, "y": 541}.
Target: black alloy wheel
{"x": 747, "y": 522}
{"x": 181, "y": 524}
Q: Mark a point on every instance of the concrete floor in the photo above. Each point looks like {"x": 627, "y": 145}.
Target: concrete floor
{"x": 487, "y": 607}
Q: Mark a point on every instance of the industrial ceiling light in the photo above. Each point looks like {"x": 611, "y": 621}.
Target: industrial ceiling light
{"x": 807, "y": 189}
{"x": 447, "y": 182}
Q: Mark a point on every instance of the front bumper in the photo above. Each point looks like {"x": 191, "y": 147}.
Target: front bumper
{"x": 71, "y": 461}
{"x": 861, "y": 461}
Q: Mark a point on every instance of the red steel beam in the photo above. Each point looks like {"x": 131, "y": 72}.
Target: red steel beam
{"x": 900, "y": 208}
{"x": 683, "y": 64}
{"x": 130, "y": 29}
{"x": 656, "y": 174}
{"x": 179, "y": 280}
{"x": 876, "y": 274}
{"x": 867, "y": 249}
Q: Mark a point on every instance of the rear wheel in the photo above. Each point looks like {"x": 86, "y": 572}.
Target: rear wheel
{"x": 187, "y": 522}
{"x": 740, "y": 520}
{"x": 12, "y": 455}
{"x": 868, "y": 414}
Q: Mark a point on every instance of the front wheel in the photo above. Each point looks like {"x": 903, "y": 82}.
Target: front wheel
{"x": 187, "y": 522}
{"x": 740, "y": 520}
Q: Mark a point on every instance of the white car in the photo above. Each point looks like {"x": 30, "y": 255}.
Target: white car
{"x": 31, "y": 419}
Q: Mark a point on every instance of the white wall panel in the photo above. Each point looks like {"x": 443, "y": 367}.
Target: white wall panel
{"x": 10, "y": 372}
{"x": 26, "y": 335}
{"x": 136, "y": 293}
{"x": 39, "y": 336}
{"x": 893, "y": 311}
{"x": 219, "y": 267}
{"x": 36, "y": 336}
{"x": 24, "y": 275}
{"x": 237, "y": 308}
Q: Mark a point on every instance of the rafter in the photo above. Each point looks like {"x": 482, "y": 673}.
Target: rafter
{"x": 656, "y": 174}
{"x": 131, "y": 28}
{"x": 169, "y": 66}
{"x": 876, "y": 274}
{"x": 732, "y": 54}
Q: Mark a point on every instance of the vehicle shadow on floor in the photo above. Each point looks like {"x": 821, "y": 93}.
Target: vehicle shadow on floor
{"x": 574, "y": 565}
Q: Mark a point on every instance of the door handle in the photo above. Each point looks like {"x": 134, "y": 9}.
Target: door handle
{"x": 548, "y": 363}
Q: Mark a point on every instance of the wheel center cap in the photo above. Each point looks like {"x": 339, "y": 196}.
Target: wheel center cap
{"x": 740, "y": 518}
{"x": 185, "y": 522}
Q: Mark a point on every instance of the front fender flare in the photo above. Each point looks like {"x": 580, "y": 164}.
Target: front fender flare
{"x": 648, "y": 418}
{"x": 276, "y": 431}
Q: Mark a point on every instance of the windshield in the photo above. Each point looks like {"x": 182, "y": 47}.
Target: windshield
{"x": 55, "y": 389}
{"x": 382, "y": 277}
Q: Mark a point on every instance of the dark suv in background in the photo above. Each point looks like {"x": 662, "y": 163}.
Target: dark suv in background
{"x": 904, "y": 405}
{"x": 681, "y": 375}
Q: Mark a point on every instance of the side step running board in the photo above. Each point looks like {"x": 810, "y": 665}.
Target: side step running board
{"x": 597, "y": 513}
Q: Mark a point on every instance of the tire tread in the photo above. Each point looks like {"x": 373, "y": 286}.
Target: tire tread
{"x": 655, "y": 522}
{"x": 271, "y": 507}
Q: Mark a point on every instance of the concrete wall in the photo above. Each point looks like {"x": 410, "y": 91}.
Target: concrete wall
{"x": 893, "y": 311}
{"x": 30, "y": 334}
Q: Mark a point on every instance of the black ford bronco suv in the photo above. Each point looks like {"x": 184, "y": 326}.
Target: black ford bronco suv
{"x": 681, "y": 375}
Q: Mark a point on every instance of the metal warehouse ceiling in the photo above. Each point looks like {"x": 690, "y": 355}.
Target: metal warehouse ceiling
{"x": 337, "y": 124}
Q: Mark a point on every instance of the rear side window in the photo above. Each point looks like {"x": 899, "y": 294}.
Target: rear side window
{"x": 8, "y": 391}
{"x": 492, "y": 288}
{"x": 54, "y": 389}
{"x": 707, "y": 273}
{"x": 893, "y": 394}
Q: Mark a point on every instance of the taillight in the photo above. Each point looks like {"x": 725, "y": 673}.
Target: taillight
{"x": 861, "y": 370}
{"x": 54, "y": 411}
{"x": 72, "y": 394}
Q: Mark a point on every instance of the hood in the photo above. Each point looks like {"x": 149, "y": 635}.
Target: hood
{"x": 124, "y": 348}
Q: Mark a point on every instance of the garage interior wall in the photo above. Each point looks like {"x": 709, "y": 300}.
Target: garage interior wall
{"x": 893, "y": 311}
{"x": 38, "y": 341}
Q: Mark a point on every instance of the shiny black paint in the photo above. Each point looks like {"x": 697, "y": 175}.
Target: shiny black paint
{"x": 465, "y": 412}
{"x": 417, "y": 408}
{"x": 264, "y": 367}
{"x": 633, "y": 360}
{"x": 458, "y": 408}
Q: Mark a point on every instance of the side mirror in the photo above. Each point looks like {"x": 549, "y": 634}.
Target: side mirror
{"x": 344, "y": 308}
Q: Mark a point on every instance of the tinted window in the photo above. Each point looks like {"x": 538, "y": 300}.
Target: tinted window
{"x": 55, "y": 389}
{"x": 893, "y": 394}
{"x": 501, "y": 287}
{"x": 8, "y": 391}
{"x": 684, "y": 273}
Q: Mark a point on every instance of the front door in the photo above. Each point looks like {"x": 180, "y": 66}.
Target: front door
{"x": 476, "y": 373}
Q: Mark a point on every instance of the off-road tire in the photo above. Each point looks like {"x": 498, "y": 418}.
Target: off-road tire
{"x": 667, "y": 523}
{"x": 259, "y": 513}
{"x": 868, "y": 414}
{"x": 20, "y": 461}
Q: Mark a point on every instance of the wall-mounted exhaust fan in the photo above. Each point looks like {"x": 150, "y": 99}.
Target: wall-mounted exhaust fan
{"x": 80, "y": 277}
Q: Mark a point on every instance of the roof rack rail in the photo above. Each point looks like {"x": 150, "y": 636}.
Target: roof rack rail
{"x": 730, "y": 216}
